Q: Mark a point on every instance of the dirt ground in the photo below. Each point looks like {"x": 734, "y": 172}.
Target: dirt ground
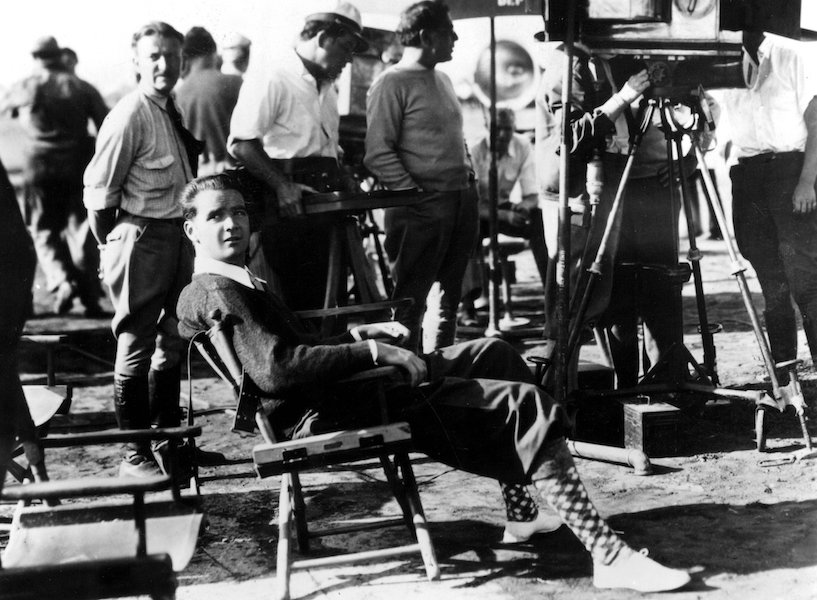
{"x": 745, "y": 530}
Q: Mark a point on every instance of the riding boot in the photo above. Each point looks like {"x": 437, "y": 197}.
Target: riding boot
{"x": 782, "y": 332}
{"x": 132, "y": 412}
{"x": 165, "y": 387}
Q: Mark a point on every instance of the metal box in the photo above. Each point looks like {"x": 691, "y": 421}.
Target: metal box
{"x": 653, "y": 427}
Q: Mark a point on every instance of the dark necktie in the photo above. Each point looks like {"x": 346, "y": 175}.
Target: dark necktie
{"x": 192, "y": 146}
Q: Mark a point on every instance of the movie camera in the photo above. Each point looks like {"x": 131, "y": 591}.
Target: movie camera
{"x": 684, "y": 43}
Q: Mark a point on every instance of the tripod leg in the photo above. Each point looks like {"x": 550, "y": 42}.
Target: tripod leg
{"x": 596, "y": 269}
{"x": 738, "y": 270}
{"x": 694, "y": 257}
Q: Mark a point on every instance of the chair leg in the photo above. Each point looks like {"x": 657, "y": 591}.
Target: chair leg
{"x": 299, "y": 508}
{"x": 398, "y": 489}
{"x": 419, "y": 519}
{"x": 284, "y": 562}
{"x": 506, "y": 286}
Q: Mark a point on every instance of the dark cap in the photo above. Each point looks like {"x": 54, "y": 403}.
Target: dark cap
{"x": 45, "y": 47}
{"x": 198, "y": 42}
{"x": 348, "y": 16}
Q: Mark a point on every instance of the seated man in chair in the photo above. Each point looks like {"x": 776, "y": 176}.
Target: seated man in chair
{"x": 472, "y": 405}
{"x": 516, "y": 217}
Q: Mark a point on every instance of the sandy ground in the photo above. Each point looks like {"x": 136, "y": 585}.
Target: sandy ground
{"x": 744, "y": 530}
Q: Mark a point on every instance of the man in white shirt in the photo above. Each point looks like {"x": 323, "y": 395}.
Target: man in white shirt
{"x": 774, "y": 125}
{"x": 514, "y": 166}
{"x": 284, "y": 130}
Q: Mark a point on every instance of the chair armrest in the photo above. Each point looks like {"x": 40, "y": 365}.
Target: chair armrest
{"x": 354, "y": 309}
{"x": 95, "y": 486}
{"x": 117, "y": 436}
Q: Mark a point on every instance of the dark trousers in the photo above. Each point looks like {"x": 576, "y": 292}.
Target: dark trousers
{"x": 781, "y": 245}
{"x": 426, "y": 243}
{"x": 481, "y": 412}
{"x": 65, "y": 247}
{"x": 146, "y": 264}
{"x": 533, "y": 231}
{"x": 634, "y": 287}
{"x": 297, "y": 251}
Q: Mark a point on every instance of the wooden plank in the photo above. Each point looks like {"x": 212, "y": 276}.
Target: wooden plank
{"x": 117, "y": 436}
{"x": 46, "y": 339}
{"x": 89, "y": 486}
{"x": 111, "y": 578}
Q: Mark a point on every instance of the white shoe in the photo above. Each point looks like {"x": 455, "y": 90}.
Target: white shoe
{"x": 521, "y": 531}
{"x": 636, "y": 571}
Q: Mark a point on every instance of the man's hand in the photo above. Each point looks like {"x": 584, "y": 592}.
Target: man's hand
{"x": 289, "y": 196}
{"x": 637, "y": 84}
{"x": 101, "y": 223}
{"x": 386, "y": 330}
{"x": 805, "y": 199}
{"x": 407, "y": 360}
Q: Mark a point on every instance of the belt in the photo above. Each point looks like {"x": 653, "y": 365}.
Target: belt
{"x": 766, "y": 157}
{"x": 125, "y": 215}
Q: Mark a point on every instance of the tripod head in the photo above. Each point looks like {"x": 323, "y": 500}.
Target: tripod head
{"x": 689, "y": 114}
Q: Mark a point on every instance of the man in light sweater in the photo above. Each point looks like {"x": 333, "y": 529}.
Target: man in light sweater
{"x": 415, "y": 141}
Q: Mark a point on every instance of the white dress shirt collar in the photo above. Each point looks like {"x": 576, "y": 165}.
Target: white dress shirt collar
{"x": 205, "y": 264}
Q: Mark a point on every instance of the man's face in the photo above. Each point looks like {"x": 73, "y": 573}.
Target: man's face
{"x": 441, "y": 42}
{"x": 337, "y": 53}
{"x": 504, "y": 133}
{"x": 221, "y": 228}
{"x": 158, "y": 62}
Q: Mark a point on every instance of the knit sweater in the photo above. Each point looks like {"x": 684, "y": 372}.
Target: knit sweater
{"x": 415, "y": 135}
{"x": 280, "y": 356}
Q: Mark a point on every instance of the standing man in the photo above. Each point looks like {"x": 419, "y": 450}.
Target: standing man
{"x": 142, "y": 163}
{"x": 55, "y": 106}
{"x": 593, "y": 113}
{"x": 284, "y": 130}
{"x": 415, "y": 141}
{"x": 774, "y": 125}
{"x": 207, "y": 98}
{"x": 17, "y": 264}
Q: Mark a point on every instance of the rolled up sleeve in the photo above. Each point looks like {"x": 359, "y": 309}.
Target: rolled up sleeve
{"x": 116, "y": 148}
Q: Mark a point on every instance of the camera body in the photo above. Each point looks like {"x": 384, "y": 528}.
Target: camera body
{"x": 680, "y": 41}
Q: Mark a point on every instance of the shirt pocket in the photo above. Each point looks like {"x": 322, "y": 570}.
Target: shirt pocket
{"x": 158, "y": 173}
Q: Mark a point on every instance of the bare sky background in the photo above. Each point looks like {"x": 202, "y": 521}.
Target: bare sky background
{"x": 100, "y": 30}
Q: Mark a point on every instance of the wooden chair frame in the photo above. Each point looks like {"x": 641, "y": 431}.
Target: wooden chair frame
{"x": 140, "y": 574}
{"x": 390, "y": 443}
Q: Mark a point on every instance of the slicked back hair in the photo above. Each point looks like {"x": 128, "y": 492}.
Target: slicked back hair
{"x": 428, "y": 14}
{"x": 157, "y": 28}
{"x": 227, "y": 180}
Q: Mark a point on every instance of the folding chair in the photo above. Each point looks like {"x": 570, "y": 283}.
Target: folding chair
{"x": 290, "y": 458}
{"x": 86, "y": 551}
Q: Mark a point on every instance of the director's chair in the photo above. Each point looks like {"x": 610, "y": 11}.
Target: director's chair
{"x": 390, "y": 443}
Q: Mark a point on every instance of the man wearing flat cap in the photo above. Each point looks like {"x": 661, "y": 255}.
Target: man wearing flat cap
{"x": 54, "y": 107}
{"x": 284, "y": 130}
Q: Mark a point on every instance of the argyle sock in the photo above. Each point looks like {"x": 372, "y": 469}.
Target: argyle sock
{"x": 559, "y": 484}
{"x": 519, "y": 506}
